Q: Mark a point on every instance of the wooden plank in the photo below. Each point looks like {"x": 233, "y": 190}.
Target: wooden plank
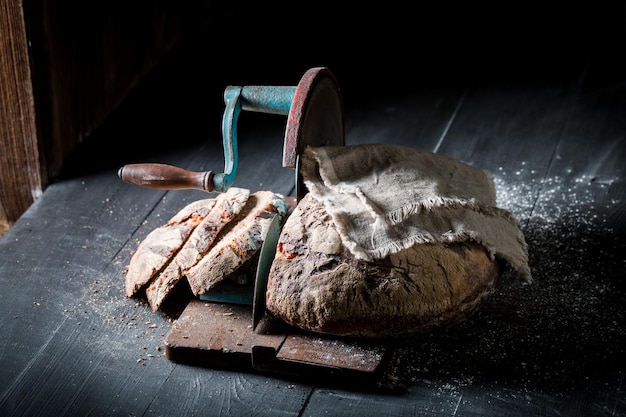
{"x": 420, "y": 399}
{"x": 216, "y": 335}
{"x": 20, "y": 161}
{"x": 589, "y": 157}
{"x": 500, "y": 128}
{"x": 220, "y": 335}
{"x": 418, "y": 117}
{"x": 224, "y": 393}
{"x": 510, "y": 401}
{"x": 447, "y": 398}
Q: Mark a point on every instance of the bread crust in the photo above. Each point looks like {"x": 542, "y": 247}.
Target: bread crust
{"x": 316, "y": 284}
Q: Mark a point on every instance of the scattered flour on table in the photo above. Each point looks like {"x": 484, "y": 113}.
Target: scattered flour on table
{"x": 559, "y": 198}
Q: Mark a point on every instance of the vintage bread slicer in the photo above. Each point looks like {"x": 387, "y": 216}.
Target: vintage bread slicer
{"x": 314, "y": 111}
{"x": 223, "y": 331}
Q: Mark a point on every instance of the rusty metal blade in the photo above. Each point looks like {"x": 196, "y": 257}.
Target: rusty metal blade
{"x": 266, "y": 257}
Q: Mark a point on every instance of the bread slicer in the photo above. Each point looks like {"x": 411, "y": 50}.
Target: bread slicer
{"x": 314, "y": 110}
{"x": 218, "y": 330}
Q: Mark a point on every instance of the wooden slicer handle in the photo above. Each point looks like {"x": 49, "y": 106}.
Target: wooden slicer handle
{"x": 166, "y": 177}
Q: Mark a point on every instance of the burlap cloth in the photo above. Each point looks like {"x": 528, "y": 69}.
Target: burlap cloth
{"x": 384, "y": 198}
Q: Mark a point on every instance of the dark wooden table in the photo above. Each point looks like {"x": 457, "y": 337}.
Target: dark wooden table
{"x": 554, "y": 137}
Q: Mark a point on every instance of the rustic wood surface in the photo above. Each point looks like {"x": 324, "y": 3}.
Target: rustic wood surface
{"x": 20, "y": 176}
{"x": 554, "y": 138}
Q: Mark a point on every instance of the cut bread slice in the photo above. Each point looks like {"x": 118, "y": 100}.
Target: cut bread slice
{"x": 225, "y": 209}
{"x": 240, "y": 243}
{"x": 160, "y": 245}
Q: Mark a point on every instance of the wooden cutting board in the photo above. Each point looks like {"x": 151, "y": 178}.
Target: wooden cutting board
{"x": 221, "y": 336}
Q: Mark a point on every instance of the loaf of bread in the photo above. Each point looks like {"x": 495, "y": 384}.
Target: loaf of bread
{"x": 316, "y": 284}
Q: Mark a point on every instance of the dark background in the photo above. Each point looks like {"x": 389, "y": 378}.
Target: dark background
{"x": 377, "y": 52}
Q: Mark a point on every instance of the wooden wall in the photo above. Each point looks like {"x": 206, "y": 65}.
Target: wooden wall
{"x": 64, "y": 67}
{"x": 20, "y": 177}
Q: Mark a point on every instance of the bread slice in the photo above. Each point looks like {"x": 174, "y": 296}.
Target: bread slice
{"x": 160, "y": 245}
{"x": 240, "y": 242}
{"x": 225, "y": 209}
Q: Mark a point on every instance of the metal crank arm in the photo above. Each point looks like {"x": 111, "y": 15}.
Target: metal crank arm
{"x": 168, "y": 177}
